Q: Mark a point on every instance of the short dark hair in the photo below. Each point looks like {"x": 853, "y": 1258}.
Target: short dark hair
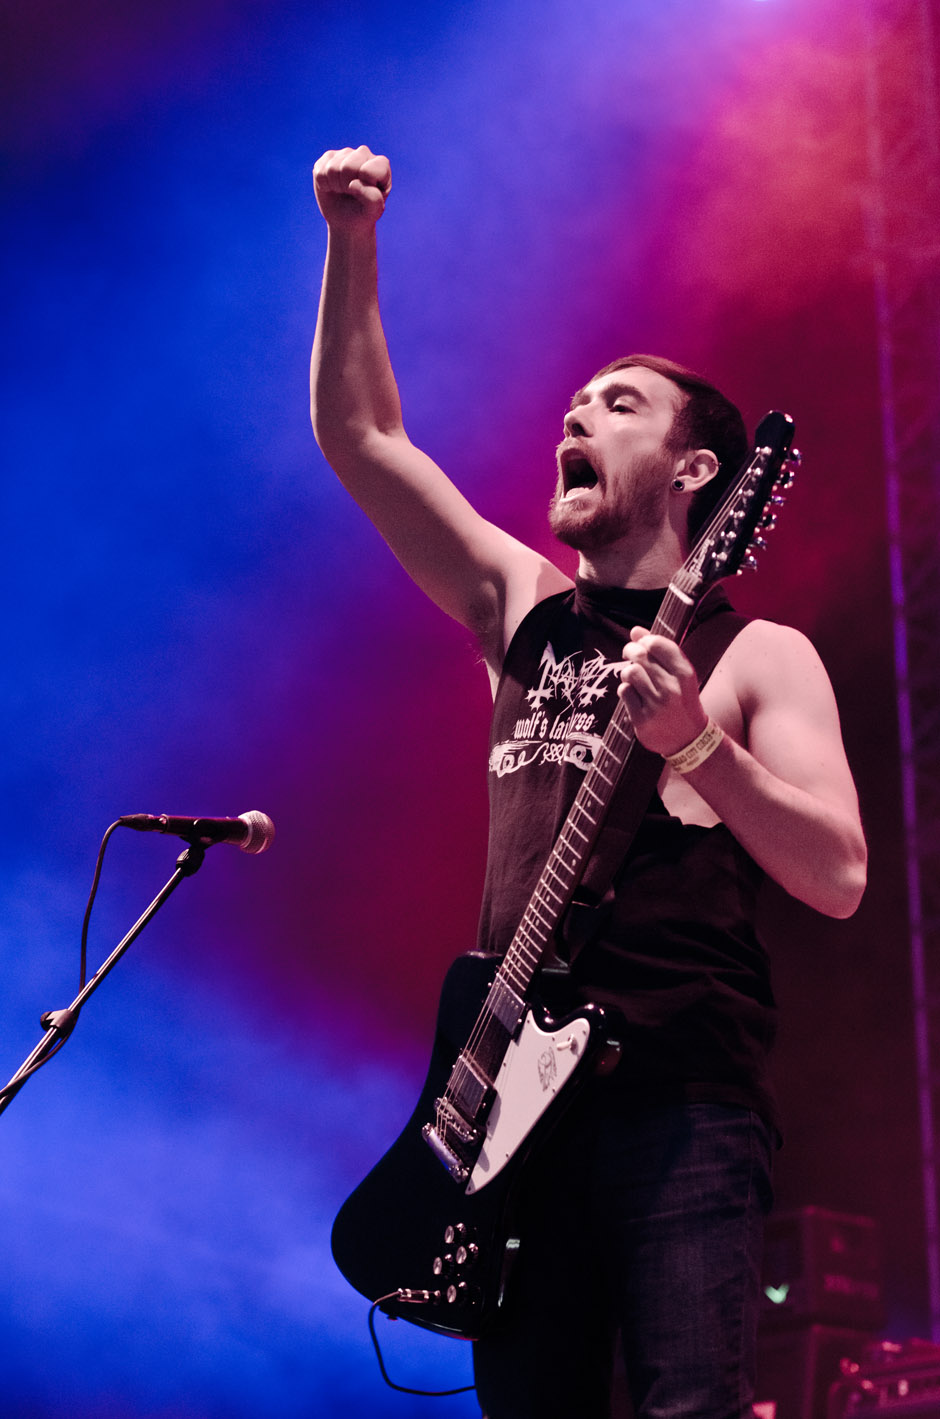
{"x": 707, "y": 419}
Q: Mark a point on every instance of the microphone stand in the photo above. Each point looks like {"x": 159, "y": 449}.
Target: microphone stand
{"x": 59, "y": 1024}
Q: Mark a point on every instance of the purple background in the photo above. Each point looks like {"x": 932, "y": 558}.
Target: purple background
{"x": 199, "y": 621}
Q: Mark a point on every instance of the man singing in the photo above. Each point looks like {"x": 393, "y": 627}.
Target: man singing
{"x": 644, "y": 1215}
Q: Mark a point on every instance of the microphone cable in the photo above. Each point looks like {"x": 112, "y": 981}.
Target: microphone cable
{"x": 91, "y": 901}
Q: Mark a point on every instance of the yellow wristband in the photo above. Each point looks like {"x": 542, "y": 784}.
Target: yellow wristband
{"x": 702, "y": 748}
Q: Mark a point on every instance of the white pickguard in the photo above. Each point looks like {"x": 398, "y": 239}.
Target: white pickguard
{"x": 536, "y": 1066}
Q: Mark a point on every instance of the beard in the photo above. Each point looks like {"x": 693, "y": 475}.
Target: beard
{"x": 637, "y": 504}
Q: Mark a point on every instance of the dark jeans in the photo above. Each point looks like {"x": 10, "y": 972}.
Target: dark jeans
{"x": 647, "y": 1223}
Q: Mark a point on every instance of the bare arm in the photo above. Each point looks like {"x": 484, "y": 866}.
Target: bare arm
{"x": 785, "y": 790}
{"x": 473, "y": 570}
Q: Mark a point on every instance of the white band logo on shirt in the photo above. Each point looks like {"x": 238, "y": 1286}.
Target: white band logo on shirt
{"x": 561, "y": 728}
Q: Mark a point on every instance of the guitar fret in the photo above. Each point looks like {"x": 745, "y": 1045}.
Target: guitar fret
{"x": 540, "y": 939}
{"x": 547, "y": 924}
{"x": 530, "y": 921}
{"x": 520, "y": 980}
{"x": 610, "y": 751}
{"x": 537, "y": 920}
{"x": 559, "y": 871}
{"x": 527, "y": 962}
{"x": 529, "y": 927}
{"x": 525, "y": 931}
{"x": 526, "y": 951}
{"x": 523, "y": 969}
{"x": 515, "y": 959}
{"x": 529, "y": 959}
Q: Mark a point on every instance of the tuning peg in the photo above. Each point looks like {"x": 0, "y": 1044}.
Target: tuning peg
{"x": 790, "y": 469}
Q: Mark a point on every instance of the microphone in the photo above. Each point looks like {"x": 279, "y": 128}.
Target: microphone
{"x": 252, "y": 832}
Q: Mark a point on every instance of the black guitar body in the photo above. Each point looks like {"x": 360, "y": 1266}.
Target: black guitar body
{"x": 410, "y": 1227}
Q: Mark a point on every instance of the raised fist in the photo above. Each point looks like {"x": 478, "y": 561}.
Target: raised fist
{"x": 351, "y": 185}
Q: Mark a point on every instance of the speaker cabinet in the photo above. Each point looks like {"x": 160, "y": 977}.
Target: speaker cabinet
{"x": 796, "y": 1368}
{"x": 821, "y": 1266}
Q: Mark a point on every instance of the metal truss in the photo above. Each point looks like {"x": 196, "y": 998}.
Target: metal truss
{"x": 904, "y": 240}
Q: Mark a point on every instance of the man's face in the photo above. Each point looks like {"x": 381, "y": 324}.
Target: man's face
{"x": 614, "y": 466}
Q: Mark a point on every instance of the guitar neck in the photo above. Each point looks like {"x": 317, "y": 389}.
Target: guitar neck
{"x": 579, "y": 833}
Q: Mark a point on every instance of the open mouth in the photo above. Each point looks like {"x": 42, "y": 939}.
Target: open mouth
{"x": 576, "y": 471}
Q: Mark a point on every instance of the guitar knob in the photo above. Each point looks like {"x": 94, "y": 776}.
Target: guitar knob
{"x": 455, "y": 1233}
{"x": 462, "y": 1294}
{"x": 468, "y": 1255}
{"x": 443, "y": 1265}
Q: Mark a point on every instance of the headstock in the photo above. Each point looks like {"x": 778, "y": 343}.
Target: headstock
{"x": 737, "y": 530}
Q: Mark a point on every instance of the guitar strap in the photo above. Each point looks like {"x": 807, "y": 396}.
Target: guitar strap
{"x": 713, "y": 628}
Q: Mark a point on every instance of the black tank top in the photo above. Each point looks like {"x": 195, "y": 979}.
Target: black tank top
{"x": 678, "y": 954}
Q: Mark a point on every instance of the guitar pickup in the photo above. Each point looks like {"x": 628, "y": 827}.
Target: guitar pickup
{"x": 469, "y": 1092}
{"x": 454, "y": 1165}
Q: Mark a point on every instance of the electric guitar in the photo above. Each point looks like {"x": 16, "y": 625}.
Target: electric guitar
{"x": 430, "y": 1233}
